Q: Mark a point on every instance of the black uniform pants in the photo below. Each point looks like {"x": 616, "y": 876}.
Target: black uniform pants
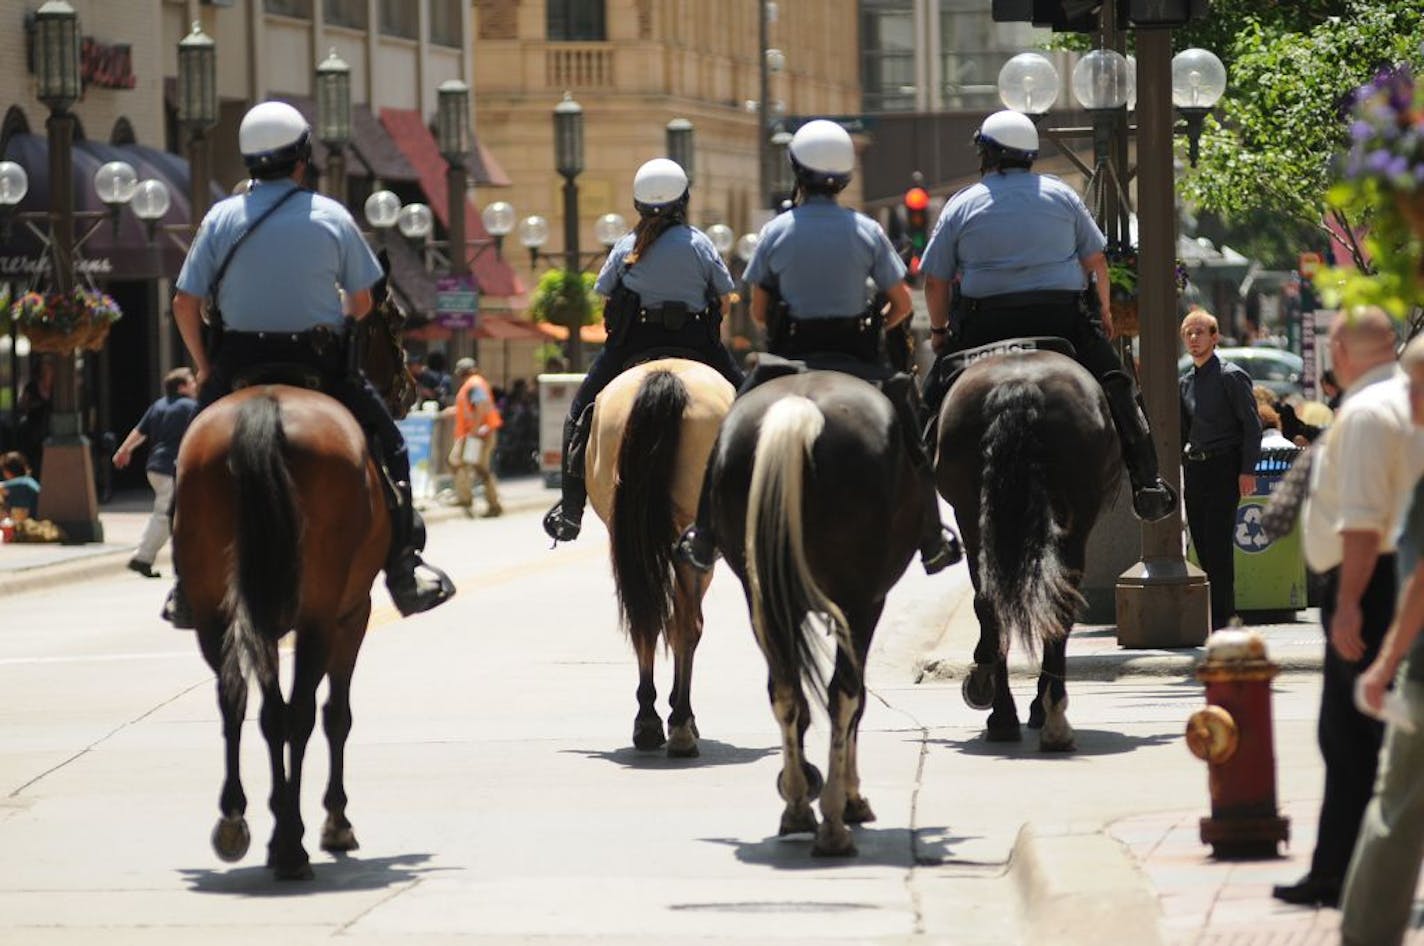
{"x": 1349, "y": 740}
{"x": 241, "y": 352}
{"x": 1212, "y": 493}
{"x": 697, "y": 337}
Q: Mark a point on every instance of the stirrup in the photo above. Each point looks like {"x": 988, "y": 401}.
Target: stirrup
{"x": 177, "y": 611}
{"x": 560, "y": 527}
{"x": 696, "y": 547}
{"x": 414, "y": 593}
{"x": 945, "y": 554}
{"x": 1154, "y": 502}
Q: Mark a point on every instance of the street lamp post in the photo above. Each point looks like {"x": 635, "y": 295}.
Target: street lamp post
{"x": 197, "y": 111}
{"x": 452, "y": 134}
{"x": 333, "y": 120}
{"x": 679, "y": 146}
{"x": 568, "y": 160}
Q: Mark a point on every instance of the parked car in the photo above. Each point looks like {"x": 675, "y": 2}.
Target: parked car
{"x": 1269, "y": 367}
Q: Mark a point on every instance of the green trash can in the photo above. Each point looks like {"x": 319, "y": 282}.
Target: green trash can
{"x": 1270, "y": 573}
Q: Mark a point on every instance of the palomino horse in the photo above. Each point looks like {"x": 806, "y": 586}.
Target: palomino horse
{"x": 653, "y": 428}
{"x": 1028, "y": 457}
{"x": 281, "y": 524}
{"x": 818, "y": 510}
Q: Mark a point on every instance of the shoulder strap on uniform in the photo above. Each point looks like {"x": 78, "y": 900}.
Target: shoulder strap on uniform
{"x": 222, "y": 269}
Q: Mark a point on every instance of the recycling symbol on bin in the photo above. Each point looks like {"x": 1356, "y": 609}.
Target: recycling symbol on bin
{"x": 1250, "y": 536}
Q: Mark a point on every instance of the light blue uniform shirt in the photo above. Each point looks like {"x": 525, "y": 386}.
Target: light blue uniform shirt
{"x": 820, "y": 255}
{"x": 679, "y": 267}
{"x": 285, "y": 276}
{"x": 1014, "y": 231}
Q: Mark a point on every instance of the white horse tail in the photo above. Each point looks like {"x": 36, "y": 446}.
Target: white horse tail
{"x": 783, "y": 591}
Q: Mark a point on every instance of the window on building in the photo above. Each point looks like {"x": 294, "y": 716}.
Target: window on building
{"x": 576, "y": 21}
{"x": 301, "y": 8}
{"x": 970, "y": 56}
{"x": 445, "y": 23}
{"x": 887, "y": 55}
{"x": 400, "y": 18}
{"x": 350, "y": 13}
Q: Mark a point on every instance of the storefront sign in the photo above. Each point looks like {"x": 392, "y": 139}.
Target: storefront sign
{"x": 11, "y": 266}
{"x": 106, "y": 65}
{"x": 457, "y": 299}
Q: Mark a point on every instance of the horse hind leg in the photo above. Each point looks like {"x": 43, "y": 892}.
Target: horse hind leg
{"x": 686, "y": 630}
{"x": 834, "y": 839}
{"x": 231, "y": 837}
{"x": 798, "y": 782}
{"x": 1003, "y": 722}
{"x": 336, "y": 833}
{"x": 647, "y": 725}
{"x": 857, "y": 806}
{"x": 1057, "y": 734}
{"x": 287, "y": 856}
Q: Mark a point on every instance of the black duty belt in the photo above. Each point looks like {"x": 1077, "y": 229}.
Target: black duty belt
{"x": 1197, "y": 456}
{"x": 321, "y": 334}
{"x": 1022, "y": 300}
{"x": 672, "y": 318}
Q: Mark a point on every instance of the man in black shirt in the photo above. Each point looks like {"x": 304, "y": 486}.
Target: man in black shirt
{"x": 1223, "y": 442}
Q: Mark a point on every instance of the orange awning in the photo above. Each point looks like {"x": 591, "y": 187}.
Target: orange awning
{"x": 589, "y": 334}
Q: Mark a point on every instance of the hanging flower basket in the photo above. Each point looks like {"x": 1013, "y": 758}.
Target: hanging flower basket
{"x": 1123, "y": 287}
{"x": 60, "y": 323}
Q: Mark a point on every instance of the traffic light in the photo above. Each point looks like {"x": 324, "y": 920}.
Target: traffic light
{"x": 917, "y": 224}
{"x": 1063, "y": 16}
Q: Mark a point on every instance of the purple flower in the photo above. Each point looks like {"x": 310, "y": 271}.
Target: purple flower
{"x": 1361, "y": 130}
{"x": 1378, "y": 161}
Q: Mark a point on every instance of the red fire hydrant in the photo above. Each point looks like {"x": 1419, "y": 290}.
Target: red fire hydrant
{"x": 1234, "y": 735}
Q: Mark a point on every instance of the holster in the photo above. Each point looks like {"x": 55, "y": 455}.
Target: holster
{"x": 213, "y": 330}
{"x": 619, "y": 313}
{"x": 353, "y": 345}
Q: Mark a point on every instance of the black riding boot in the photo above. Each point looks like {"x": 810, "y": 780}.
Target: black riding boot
{"x": 564, "y": 521}
{"x": 1152, "y": 497}
{"x": 939, "y": 546}
{"x": 697, "y": 546}
{"x": 176, "y": 610}
{"x": 411, "y": 593}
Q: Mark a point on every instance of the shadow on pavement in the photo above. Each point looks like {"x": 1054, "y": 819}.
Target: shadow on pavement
{"x": 713, "y": 753}
{"x": 339, "y": 874}
{"x": 878, "y": 847}
{"x": 1091, "y": 742}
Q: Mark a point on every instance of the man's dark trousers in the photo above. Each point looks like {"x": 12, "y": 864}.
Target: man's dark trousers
{"x": 1349, "y": 740}
{"x": 1212, "y": 494}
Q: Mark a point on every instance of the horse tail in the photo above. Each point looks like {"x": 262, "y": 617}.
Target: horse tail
{"x": 784, "y": 593}
{"x": 266, "y": 568}
{"x": 642, "y": 530}
{"x": 1021, "y": 567}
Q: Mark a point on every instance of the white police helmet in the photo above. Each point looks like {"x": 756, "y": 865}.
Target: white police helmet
{"x": 659, "y": 183}
{"x": 822, "y": 153}
{"x": 1009, "y": 131}
{"x": 273, "y": 134}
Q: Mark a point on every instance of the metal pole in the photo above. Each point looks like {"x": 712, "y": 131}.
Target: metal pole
{"x": 571, "y": 264}
{"x": 764, "y": 86}
{"x": 336, "y": 174}
{"x": 459, "y": 256}
{"x": 199, "y": 177}
{"x": 1162, "y": 600}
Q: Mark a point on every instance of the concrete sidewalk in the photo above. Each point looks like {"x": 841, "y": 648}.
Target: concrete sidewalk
{"x": 30, "y": 567}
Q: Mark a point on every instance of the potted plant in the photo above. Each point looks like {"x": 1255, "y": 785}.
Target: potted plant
{"x": 1123, "y": 288}
{"x": 61, "y": 322}
{"x": 566, "y": 298}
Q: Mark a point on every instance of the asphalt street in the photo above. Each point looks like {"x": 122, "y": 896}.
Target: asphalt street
{"x": 495, "y": 792}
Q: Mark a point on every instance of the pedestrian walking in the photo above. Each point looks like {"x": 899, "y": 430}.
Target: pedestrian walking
{"x": 269, "y": 262}
{"x": 477, "y": 425}
{"x": 1022, "y": 246}
{"x": 1362, "y": 478}
{"x": 19, "y": 490}
{"x": 1221, "y": 425}
{"x": 1378, "y": 897}
{"x": 809, "y": 276}
{"x": 667, "y": 289}
{"x": 161, "y": 427}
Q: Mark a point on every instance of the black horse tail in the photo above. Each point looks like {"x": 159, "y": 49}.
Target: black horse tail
{"x": 642, "y": 530}
{"x": 782, "y": 590}
{"x": 1021, "y": 567}
{"x": 266, "y": 561}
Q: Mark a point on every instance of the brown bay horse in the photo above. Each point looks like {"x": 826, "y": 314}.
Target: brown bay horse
{"x": 818, "y": 512}
{"x": 653, "y": 428}
{"x": 1028, "y": 457}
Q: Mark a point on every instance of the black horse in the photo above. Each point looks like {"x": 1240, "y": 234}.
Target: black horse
{"x": 818, "y": 510}
{"x": 1028, "y": 457}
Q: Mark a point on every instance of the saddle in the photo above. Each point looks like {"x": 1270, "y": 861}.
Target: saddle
{"x": 948, "y": 369}
{"x": 771, "y": 366}
{"x": 645, "y": 355}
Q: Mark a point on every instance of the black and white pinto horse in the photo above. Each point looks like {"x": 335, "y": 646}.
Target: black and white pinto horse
{"x": 818, "y": 513}
{"x": 1028, "y": 456}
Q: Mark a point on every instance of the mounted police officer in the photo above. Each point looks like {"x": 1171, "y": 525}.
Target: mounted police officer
{"x": 667, "y": 290}
{"x": 270, "y": 262}
{"x": 1023, "y": 246}
{"x": 809, "y": 277}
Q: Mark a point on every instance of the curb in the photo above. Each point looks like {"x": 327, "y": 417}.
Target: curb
{"x": 1082, "y": 889}
{"x": 1111, "y": 666}
{"x": 103, "y": 564}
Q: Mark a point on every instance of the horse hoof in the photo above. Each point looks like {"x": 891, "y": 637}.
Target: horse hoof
{"x": 1058, "y": 745}
{"x": 231, "y": 838}
{"x": 814, "y": 782}
{"x": 857, "y": 811}
{"x": 678, "y": 751}
{"x": 1008, "y": 732}
{"x": 833, "y": 841}
{"x": 978, "y": 688}
{"x": 1036, "y": 716}
{"x": 803, "y": 822}
{"x": 648, "y": 736}
{"x": 298, "y": 871}
{"x": 337, "y": 838}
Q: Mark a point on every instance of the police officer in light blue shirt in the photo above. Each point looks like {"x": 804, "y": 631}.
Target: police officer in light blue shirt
{"x": 280, "y": 302}
{"x": 1022, "y": 246}
{"x": 667, "y": 290}
{"x": 809, "y": 278}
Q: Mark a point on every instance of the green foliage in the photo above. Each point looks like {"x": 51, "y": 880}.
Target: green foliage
{"x": 564, "y": 298}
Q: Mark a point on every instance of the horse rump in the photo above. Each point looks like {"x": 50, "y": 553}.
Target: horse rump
{"x": 1022, "y": 568}
{"x": 265, "y": 583}
{"x": 642, "y": 529}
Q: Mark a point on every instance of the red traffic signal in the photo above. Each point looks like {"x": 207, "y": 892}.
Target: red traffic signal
{"x": 917, "y": 198}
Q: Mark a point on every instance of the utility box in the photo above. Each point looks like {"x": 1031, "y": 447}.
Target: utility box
{"x": 556, "y": 393}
